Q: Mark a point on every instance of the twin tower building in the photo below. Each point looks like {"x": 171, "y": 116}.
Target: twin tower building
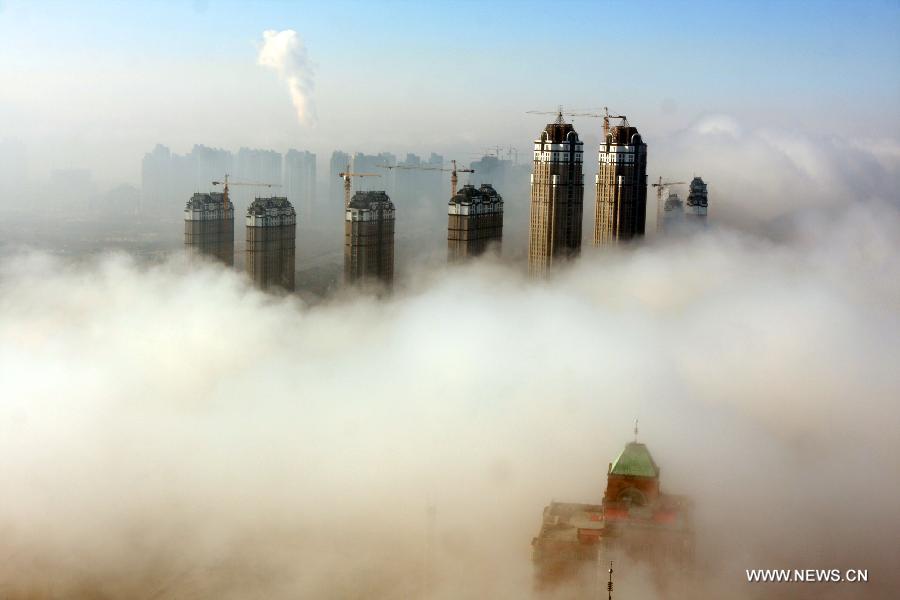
{"x": 475, "y": 215}
{"x": 271, "y": 236}
{"x": 557, "y": 192}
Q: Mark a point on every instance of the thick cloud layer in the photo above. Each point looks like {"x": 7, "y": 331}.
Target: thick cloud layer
{"x": 757, "y": 174}
{"x": 171, "y": 432}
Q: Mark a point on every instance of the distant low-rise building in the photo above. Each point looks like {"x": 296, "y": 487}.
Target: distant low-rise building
{"x": 271, "y": 240}
{"x": 209, "y": 227}
{"x": 474, "y": 221}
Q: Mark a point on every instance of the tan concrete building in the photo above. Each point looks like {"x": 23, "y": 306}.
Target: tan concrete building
{"x": 209, "y": 227}
{"x": 474, "y": 221}
{"x": 621, "y": 186}
{"x": 369, "y": 239}
{"x": 271, "y": 240}
{"x": 557, "y": 197}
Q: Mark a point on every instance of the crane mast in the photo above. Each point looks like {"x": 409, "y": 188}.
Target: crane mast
{"x": 226, "y": 183}
{"x": 347, "y": 176}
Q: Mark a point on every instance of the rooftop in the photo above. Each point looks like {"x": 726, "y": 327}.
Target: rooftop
{"x": 274, "y": 204}
{"x": 558, "y": 131}
{"x": 635, "y": 461}
{"x": 622, "y": 134}
{"x": 206, "y": 201}
{"x": 469, "y": 194}
{"x": 371, "y": 200}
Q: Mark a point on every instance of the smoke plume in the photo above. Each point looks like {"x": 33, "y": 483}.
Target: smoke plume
{"x": 284, "y": 53}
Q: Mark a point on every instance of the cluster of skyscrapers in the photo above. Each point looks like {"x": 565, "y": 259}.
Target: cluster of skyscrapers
{"x": 677, "y": 214}
{"x": 474, "y": 214}
{"x": 166, "y": 176}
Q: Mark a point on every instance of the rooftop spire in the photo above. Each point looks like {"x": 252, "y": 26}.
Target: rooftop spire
{"x": 609, "y": 584}
{"x": 635, "y": 430}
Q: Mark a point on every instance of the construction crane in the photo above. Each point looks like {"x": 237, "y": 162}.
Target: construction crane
{"x": 559, "y": 112}
{"x": 346, "y": 176}
{"x": 659, "y": 185}
{"x": 454, "y": 178}
{"x": 227, "y": 183}
{"x": 607, "y": 117}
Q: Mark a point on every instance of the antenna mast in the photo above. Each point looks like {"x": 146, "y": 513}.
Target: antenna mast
{"x": 609, "y": 584}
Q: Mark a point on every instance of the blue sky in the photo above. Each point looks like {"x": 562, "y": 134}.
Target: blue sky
{"x": 417, "y": 75}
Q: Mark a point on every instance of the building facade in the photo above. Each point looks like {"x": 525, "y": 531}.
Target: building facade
{"x": 271, "y": 240}
{"x": 369, "y": 239}
{"x": 337, "y": 164}
{"x": 621, "y": 186}
{"x": 299, "y": 183}
{"x": 209, "y": 227}
{"x": 697, "y": 200}
{"x": 557, "y": 197}
{"x": 474, "y": 221}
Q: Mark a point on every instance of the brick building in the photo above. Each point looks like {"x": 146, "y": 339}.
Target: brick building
{"x": 635, "y": 522}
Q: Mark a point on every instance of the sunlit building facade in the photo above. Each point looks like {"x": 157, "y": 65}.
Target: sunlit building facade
{"x": 557, "y": 197}
{"x": 621, "y": 186}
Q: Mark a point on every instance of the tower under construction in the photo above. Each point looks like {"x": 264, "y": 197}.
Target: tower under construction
{"x": 621, "y": 182}
{"x": 209, "y": 227}
{"x": 474, "y": 221}
{"x": 697, "y": 200}
{"x": 369, "y": 239}
{"x": 271, "y": 237}
{"x": 673, "y": 214}
{"x": 557, "y": 197}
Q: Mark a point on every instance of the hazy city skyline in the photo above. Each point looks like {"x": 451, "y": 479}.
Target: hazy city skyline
{"x": 98, "y": 87}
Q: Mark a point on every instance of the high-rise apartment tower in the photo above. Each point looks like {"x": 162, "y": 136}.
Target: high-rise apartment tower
{"x": 621, "y": 183}
{"x": 673, "y": 213}
{"x": 557, "y": 197}
{"x": 697, "y": 200}
{"x": 271, "y": 237}
{"x": 474, "y": 220}
{"x": 369, "y": 239}
{"x": 209, "y": 227}
{"x": 299, "y": 185}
